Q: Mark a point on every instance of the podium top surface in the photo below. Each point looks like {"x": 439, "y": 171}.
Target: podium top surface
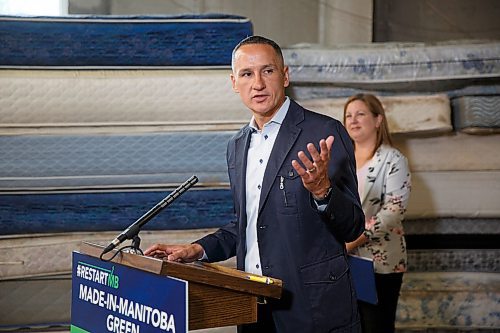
{"x": 197, "y": 272}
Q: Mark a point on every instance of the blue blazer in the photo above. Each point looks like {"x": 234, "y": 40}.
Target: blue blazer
{"x": 298, "y": 244}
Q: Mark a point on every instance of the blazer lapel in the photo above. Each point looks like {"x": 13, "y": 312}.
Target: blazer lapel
{"x": 241, "y": 149}
{"x": 285, "y": 140}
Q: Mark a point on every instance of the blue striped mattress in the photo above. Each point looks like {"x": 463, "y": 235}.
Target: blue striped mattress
{"x": 101, "y": 209}
{"x": 64, "y": 183}
{"x": 115, "y": 41}
{"x": 31, "y": 213}
{"x": 31, "y": 162}
{"x": 56, "y": 183}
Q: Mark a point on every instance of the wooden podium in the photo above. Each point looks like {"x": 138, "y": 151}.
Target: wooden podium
{"x": 218, "y": 295}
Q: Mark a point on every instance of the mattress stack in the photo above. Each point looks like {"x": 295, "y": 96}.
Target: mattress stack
{"x": 100, "y": 119}
{"x": 443, "y": 105}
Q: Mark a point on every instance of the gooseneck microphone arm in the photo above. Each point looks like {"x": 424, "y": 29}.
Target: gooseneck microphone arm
{"x": 135, "y": 227}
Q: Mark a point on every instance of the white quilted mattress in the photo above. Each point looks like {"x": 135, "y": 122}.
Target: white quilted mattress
{"x": 473, "y": 194}
{"x": 33, "y": 303}
{"x": 23, "y": 256}
{"x": 405, "y": 114}
{"x": 456, "y": 151}
{"x": 35, "y": 273}
{"x": 35, "y": 101}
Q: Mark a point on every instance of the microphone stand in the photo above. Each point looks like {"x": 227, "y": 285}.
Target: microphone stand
{"x": 136, "y": 242}
{"x": 132, "y": 232}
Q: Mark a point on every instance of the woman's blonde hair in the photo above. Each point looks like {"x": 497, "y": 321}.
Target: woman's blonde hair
{"x": 376, "y": 108}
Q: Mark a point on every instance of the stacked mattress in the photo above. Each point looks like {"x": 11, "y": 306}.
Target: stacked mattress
{"x": 94, "y": 135}
{"x": 435, "y": 95}
{"x": 396, "y": 66}
{"x": 442, "y": 104}
{"x": 100, "y": 41}
{"x": 100, "y": 119}
{"x": 35, "y": 283}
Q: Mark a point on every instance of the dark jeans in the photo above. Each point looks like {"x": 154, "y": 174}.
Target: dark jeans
{"x": 380, "y": 318}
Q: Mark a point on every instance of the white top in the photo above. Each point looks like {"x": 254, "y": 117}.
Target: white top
{"x": 361, "y": 174}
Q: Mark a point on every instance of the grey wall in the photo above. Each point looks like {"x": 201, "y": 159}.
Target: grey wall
{"x": 286, "y": 21}
{"x": 331, "y": 22}
{"x": 345, "y": 22}
{"x": 436, "y": 20}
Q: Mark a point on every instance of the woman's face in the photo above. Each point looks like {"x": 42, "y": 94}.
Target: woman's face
{"x": 361, "y": 123}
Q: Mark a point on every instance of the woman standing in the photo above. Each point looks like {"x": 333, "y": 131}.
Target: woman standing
{"x": 384, "y": 188}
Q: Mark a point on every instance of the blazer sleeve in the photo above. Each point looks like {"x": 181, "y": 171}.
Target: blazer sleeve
{"x": 344, "y": 212}
{"x": 221, "y": 244}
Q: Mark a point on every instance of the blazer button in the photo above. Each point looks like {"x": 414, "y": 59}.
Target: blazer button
{"x": 332, "y": 277}
{"x": 262, "y": 227}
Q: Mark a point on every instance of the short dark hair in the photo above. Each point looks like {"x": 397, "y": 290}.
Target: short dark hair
{"x": 259, "y": 40}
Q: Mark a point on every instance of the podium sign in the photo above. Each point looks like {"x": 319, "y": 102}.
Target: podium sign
{"x": 110, "y": 297}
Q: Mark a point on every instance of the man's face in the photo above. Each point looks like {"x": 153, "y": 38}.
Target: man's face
{"x": 260, "y": 78}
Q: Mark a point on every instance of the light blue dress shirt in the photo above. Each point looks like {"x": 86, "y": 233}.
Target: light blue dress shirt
{"x": 261, "y": 145}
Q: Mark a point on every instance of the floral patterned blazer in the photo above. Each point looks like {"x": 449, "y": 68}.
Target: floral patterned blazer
{"x": 384, "y": 200}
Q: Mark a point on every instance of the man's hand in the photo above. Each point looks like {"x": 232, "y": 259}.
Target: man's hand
{"x": 179, "y": 253}
{"x": 314, "y": 173}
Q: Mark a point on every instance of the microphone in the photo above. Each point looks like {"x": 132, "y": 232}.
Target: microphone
{"x": 135, "y": 227}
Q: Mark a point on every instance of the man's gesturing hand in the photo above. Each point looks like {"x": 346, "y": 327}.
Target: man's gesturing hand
{"x": 314, "y": 173}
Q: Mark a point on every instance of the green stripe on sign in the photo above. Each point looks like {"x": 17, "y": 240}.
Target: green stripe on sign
{"x": 76, "y": 329}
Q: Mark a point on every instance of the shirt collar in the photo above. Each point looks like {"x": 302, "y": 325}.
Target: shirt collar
{"x": 278, "y": 116}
